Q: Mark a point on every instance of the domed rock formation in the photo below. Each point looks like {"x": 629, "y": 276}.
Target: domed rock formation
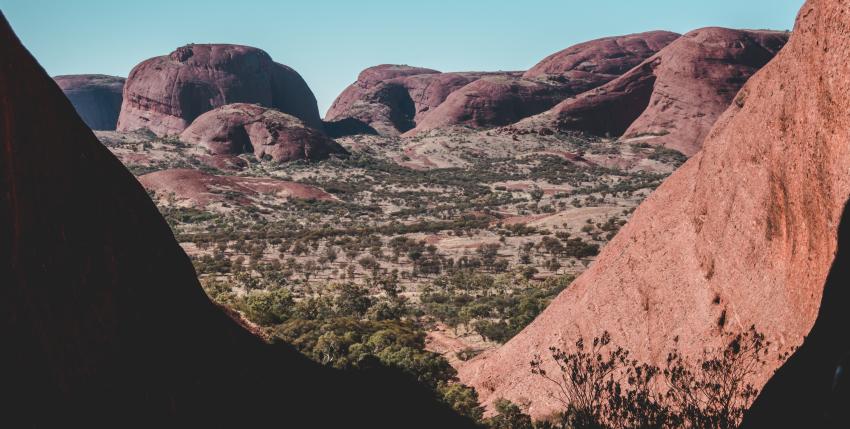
{"x": 601, "y": 59}
{"x": 103, "y": 320}
{"x": 743, "y": 234}
{"x": 392, "y": 99}
{"x": 267, "y": 133}
{"x": 493, "y": 101}
{"x": 673, "y": 98}
{"x": 96, "y": 97}
{"x": 165, "y": 94}
{"x": 499, "y": 101}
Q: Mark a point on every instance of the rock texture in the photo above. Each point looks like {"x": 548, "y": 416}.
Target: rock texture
{"x": 747, "y": 227}
{"x": 103, "y": 321}
{"x": 267, "y": 133}
{"x": 96, "y": 97}
{"x": 199, "y": 189}
{"x": 812, "y": 389}
{"x": 601, "y": 59}
{"x": 674, "y": 97}
{"x": 504, "y": 100}
{"x": 493, "y": 101}
{"x": 165, "y": 94}
{"x": 392, "y": 99}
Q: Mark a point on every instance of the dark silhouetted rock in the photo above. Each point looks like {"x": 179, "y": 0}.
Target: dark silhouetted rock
{"x": 104, "y": 323}
{"x": 267, "y": 133}
{"x": 96, "y": 97}
{"x": 165, "y": 94}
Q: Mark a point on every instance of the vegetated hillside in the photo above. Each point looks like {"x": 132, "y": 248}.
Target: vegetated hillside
{"x": 743, "y": 234}
{"x": 104, "y": 321}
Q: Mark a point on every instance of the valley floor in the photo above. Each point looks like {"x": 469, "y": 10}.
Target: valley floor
{"x": 450, "y": 242}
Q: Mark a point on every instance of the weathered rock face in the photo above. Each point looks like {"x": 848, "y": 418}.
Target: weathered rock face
{"x": 494, "y": 101}
{"x": 96, "y": 97}
{"x": 497, "y": 101}
{"x": 104, "y": 322}
{"x": 267, "y": 133}
{"x": 165, "y": 94}
{"x": 601, "y": 59}
{"x": 392, "y": 99}
{"x": 747, "y": 227}
{"x": 673, "y": 98}
{"x": 809, "y": 391}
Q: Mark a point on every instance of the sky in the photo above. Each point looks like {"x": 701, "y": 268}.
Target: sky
{"x": 330, "y": 41}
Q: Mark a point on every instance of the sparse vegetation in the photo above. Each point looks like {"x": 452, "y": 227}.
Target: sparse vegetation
{"x": 473, "y": 249}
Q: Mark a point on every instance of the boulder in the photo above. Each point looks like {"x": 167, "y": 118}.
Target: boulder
{"x": 239, "y": 128}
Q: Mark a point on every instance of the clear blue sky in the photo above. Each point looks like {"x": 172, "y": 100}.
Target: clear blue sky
{"x": 330, "y": 41}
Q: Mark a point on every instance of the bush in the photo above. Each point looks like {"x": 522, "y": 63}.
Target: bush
{"x": 601, "y": 387}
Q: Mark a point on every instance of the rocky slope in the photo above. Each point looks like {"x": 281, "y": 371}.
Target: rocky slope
{"x": 103, "y": 318}
{"x": 674, "y": 97}
{"x": 504, "y": 100}
{"x": 239, "y": 128}
{"x": 96, "y": 97}
{"x": 165, "y": 94}
{"x": 743, "y": 234}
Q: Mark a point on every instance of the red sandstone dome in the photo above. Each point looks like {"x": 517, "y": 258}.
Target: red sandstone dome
{"x": 743, "y": 234}
{"x": 238, "y": 128}
{"x": 674, "y": 97}
{"x": 392, "y": 99}
{"x": 611, "y": 56}
{"x": 97, "y": 98}
{"x": 165, "y": 94}
{"x": 497, "y": 101}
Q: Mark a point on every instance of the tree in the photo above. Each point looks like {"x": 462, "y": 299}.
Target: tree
{"x": 601, "y": 387}
{"x": 352, "y": 300}
{"x": 269, "y": 307}
{"x": 509, "y": 416}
